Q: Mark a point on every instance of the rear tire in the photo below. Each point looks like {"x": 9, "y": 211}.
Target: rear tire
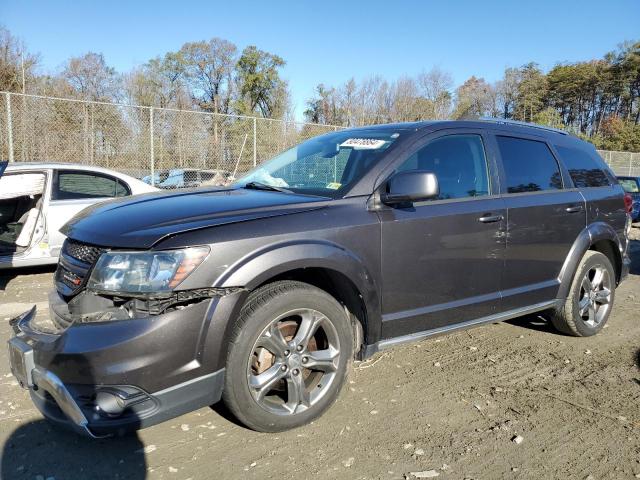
{"x": 590, "y": 299}
{"x": 288, "y": 357}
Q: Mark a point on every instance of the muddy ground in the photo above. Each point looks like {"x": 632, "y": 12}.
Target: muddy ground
{"x": 451, "y": 406}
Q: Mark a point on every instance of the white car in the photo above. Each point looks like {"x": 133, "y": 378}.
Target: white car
{"x": 37, "y": 199}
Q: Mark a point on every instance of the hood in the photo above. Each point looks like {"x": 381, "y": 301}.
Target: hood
{"x": 143, "y": 220}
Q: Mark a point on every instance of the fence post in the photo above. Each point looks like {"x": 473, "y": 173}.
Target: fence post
{"x": 255, "y": 141}
{"x": 630, "y": 162}
{"x": 152, "y": 158}
{"x": 9, "y": 126}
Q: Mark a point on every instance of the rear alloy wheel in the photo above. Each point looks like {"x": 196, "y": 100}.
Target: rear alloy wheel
{"x": 588, "y": 305}
{"x": 288, "y": 358}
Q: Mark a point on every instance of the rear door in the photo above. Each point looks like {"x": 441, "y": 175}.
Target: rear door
{"x": 545, "y": 215}
{"x": 74, "y": 190}
{"x": 442, "y": 259}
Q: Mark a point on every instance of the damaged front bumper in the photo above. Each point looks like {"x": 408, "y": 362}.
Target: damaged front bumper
{"x": 35, "y": 378}
{"x": 106, "y": 378}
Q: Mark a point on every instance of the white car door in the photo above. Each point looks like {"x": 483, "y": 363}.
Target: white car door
{"x": 72, "y": 191}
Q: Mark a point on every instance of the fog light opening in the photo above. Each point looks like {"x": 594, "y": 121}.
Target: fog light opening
{"x": 110, "y": 404}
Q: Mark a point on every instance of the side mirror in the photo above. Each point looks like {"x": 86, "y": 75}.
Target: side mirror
{"x": 410, "y": 186}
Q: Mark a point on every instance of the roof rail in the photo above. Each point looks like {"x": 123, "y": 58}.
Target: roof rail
{"x": 506, "y": 121}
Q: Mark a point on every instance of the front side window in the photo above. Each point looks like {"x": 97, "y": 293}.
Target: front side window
{"x": 459, "y": 163}
{"x": 83, "y": 185}
{"x": 584, "y": 170}
{"x": 529, "y": 165}
{"x": 327, "y": 165}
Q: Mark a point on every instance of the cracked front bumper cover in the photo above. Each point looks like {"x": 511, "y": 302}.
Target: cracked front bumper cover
{"x": 34, "y": 378}
{"x": 69, "y": 397}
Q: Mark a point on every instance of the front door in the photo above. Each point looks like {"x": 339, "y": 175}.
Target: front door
{"x": 442, "y": 259}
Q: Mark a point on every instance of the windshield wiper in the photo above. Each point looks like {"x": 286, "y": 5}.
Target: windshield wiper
{"x": 264, "y": 186}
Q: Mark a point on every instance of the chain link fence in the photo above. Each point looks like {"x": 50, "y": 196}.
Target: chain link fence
{"x": 166, "y": 147}
{"x": 622, "y": 163}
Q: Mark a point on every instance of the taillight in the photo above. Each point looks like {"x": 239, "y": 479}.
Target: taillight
{"x": 628, "y": 202}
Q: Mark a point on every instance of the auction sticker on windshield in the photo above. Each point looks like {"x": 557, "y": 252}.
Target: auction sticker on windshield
{"x": 363, "y": 143}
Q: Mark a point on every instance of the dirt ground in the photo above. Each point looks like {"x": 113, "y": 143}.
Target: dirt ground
{"x": 452, "y": 407}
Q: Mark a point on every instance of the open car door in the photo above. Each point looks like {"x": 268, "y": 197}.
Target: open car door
{"x": 20, "y": 210}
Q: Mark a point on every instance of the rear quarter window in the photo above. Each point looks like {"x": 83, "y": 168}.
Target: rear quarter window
{"x": 583, "y": 169}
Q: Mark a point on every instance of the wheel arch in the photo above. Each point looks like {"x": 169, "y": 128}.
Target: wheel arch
{"x": 599, "y": 237}
{"x": 325, "y": 265}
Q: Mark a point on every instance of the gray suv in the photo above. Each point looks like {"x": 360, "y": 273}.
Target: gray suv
{"x": 262, "y": 293}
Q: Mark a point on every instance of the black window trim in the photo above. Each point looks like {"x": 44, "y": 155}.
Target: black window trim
{"x": 55, "y": 183}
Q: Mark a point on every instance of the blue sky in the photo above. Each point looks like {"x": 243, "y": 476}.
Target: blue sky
{"x": 331, "y": 41}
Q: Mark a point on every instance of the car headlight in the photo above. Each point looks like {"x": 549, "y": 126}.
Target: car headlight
{"x": 144, "y": 272}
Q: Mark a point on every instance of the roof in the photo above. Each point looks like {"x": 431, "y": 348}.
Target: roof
{"x": 69, "y": 166}
{"x": 501, "y": 123}
{"x": 19, "y": 166}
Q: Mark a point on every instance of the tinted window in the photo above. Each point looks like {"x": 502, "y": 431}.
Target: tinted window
{"x": 529, "y": 165}
{"x": 80, "y": 185}
{"x": 459, "y": 163}
{"x": 584, "y": 170}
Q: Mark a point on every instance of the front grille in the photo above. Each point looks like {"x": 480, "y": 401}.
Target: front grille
{"x": 81, "y": 251}
{"x": 75, "y": 263}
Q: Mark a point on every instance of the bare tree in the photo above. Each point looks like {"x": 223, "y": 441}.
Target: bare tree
{"x": 209, "y": 68}
{"x": 435, "y": 86}
{"x": 160, "y": 83}
{"x": 92, "y": 78}
{"x": 17, "y": 66}
{"x": 507, "y": 91}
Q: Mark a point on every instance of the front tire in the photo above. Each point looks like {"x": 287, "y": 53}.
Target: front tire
{"x": 288, "y": 356}
{"x": 590, "y": 299}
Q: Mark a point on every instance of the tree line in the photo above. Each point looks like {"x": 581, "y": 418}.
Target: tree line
{"x": 209, "y": 75}
{"x": 598, "y": 99}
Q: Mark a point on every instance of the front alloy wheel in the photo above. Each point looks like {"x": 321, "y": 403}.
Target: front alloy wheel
{"x": 294, "y": 362}
{"x": 288, "y": 356}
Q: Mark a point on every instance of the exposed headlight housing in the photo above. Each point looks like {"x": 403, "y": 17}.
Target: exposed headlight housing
{"x": 144, "y": 272}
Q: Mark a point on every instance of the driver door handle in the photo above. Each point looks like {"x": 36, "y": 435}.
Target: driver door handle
{"x": 487, "y": 218}
{"x": 573, "y": 209}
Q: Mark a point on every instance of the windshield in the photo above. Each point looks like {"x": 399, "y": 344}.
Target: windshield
{"x": 327, "y": 165}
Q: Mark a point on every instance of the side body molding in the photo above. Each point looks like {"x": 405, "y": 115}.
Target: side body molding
{"x": 261, "y": 265}
{"x": 587, "y": 237}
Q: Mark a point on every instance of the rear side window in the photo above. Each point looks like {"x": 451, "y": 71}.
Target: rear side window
{"x": 83, "y": 185}
{"x": 458, "y": 162}
{"x": 584, "y": 170}
{"x": 529, "y": 165}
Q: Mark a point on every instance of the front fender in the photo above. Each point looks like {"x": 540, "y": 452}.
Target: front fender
{"x": 260, "y": 266}
{"x": 587, "y": 237}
